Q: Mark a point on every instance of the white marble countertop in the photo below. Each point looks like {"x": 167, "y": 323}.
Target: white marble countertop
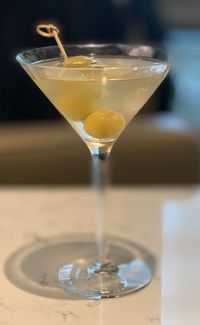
{"x": 33, "y": 219}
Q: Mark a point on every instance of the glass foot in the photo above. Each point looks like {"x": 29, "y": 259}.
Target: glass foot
{"x": 87, "y": 280}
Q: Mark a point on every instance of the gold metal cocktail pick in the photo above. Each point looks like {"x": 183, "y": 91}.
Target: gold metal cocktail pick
{"x": 74, "y": 61}
{"x": 52, "y": 31}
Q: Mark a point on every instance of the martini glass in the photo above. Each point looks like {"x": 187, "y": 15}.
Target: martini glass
{"x": 99, "y": 101}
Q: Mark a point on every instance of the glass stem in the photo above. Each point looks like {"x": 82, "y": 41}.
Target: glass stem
{"x": 100, "y": 184}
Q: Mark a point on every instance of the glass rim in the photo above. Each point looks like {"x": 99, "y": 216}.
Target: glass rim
{"x": 132, "y": 46}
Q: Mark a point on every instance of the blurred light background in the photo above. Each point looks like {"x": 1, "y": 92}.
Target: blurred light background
{"x": 174, "y": 111}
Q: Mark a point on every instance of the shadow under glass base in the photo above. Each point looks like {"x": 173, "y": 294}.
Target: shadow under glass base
{"x": 85, "y": 280}
{"x": 34, "y": 267}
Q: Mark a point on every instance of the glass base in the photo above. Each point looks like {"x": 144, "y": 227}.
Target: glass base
{"x": 87, "y": 280}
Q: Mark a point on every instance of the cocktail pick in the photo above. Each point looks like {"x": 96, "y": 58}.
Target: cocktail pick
{"x": 74, "y": 61}
{"x": 52, "y": 31}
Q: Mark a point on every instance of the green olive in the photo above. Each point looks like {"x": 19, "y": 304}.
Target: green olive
{"x": 74, "y": 107}
{"x": 79, "y": 61}
{"x": 104, "y": 124}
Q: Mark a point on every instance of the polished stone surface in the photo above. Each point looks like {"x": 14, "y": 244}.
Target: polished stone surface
{"x": 36, "y": 223}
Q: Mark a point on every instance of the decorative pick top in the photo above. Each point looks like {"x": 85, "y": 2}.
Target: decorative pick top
{"x": 79, "y": 61}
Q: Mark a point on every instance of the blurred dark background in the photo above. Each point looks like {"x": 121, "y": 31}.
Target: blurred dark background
{"x": 161, "y": 147}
